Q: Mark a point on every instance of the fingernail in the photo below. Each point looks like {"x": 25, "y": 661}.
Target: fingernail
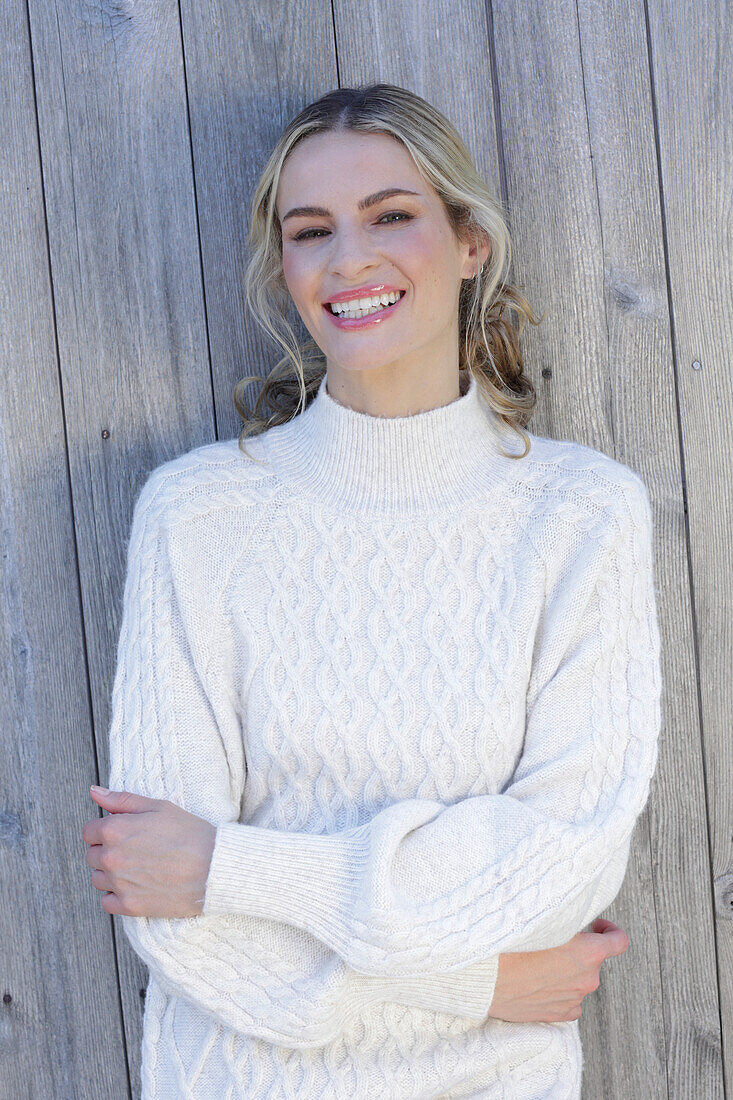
{"x": 100, "y": 790}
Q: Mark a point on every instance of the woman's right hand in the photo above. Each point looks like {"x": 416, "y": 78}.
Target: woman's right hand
{"x": 548, "y": 986}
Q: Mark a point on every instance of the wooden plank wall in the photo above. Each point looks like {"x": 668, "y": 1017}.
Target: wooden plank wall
{"x": 131, "y": 137}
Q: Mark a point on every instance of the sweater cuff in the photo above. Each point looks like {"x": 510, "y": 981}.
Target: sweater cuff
{"x": 305, "y": 879}
{"x": 465, "y": 992}
{"x": 308, "y": 880}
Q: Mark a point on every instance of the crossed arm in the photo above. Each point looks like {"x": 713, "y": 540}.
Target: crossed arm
{"x": 391, "y": 916}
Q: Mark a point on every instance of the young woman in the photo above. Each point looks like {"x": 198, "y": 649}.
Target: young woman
{"x": 387, "y": 700}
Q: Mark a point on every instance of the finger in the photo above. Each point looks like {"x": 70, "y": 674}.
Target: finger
{"x": 600, "y": 924}
{"x": 93, "y": 854}
{"x": 100, "y": 881}
{"x": 111, "y": 903}
{"x": 123, "y": 802}
{"x": 92, "y": 831}
{"x": 615, "y": 941}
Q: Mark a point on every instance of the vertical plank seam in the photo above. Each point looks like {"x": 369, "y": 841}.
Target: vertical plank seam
{"x": 688, "y": 541}
{"x": 75, "y": 543}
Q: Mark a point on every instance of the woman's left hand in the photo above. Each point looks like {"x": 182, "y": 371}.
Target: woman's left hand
{"x": 152, "y": 855}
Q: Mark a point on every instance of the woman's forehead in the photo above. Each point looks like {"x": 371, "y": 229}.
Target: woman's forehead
{"x": 332, "y": 167}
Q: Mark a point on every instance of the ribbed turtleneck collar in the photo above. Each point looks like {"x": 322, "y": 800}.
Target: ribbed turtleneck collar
{"x": 441, "y": 458}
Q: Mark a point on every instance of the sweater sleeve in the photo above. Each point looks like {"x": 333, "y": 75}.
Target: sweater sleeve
{"x": 425, "y": 886}
{"x": 175, "y": 734}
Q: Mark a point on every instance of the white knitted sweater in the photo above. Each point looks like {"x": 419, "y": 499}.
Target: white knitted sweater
{"x": 416, "y": 686}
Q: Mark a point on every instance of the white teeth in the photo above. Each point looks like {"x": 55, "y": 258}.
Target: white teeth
{"x": 361, "y": 306}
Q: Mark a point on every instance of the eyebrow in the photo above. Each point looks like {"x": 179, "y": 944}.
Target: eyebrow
{"x": 364, "y": 204}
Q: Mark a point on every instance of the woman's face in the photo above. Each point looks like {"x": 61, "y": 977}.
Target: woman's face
{"x": 402, "y": 242}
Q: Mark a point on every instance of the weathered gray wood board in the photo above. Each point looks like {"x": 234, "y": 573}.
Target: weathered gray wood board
{"x": 691, "y": 61}
{"x": 60, "y": 1024}
{"x": 131, "y": 331}
{"x": 132, "y": 135}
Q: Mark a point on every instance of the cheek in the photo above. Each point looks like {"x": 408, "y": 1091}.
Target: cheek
{"x": 297, "y": 273}
{"x": 427, "y": 265}
{"x": 289, "y": 271}
{"x": 303, "y": 285}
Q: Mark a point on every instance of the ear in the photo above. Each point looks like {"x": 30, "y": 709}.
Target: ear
{"x": 477, "y": 255}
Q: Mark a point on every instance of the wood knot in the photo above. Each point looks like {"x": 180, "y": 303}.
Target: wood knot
{"x": 724, "y": 896}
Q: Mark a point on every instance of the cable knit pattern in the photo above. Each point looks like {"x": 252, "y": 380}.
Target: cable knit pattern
{"x": 415, "y": 683}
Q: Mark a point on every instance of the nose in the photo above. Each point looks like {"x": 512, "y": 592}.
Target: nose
{"x": 352, "y": 252}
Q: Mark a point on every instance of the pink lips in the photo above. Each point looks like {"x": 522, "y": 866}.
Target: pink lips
{"x": 363, "y": 292}
{"x": 369, "y": 320}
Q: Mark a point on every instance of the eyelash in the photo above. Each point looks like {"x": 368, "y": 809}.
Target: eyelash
{"x": 305, "y": 235}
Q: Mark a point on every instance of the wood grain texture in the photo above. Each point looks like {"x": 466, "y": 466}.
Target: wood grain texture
{"x": 129, "y": 313}
{"x": 60, "y": 1021}
{"x": 591, "y": 249}
{"x": 132, "y": 137}
{"x": 690, "y": 63}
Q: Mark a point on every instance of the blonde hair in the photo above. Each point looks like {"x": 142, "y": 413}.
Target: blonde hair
{"x": 489, "y": 343}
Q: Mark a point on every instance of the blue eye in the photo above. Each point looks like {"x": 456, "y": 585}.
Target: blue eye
{"x": 307, "y": 233}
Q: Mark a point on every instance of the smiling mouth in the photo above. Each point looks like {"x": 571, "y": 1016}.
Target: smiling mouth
{"x": 379, "y": 304}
